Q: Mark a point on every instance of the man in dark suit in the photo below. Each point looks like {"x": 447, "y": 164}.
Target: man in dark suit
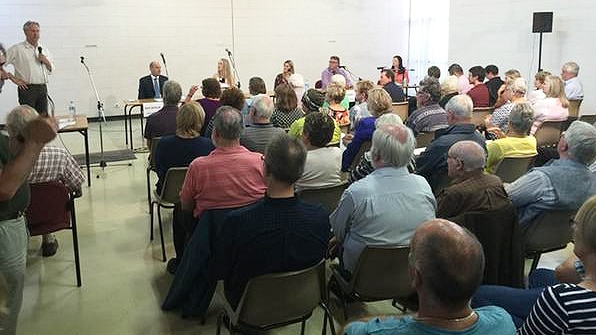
{"x": 151, "y": 86}
{"x": 387, "y": 80}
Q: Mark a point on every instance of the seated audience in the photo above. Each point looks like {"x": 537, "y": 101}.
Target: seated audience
{"x": 387, "y": 80}
{"x": 261, "y": 131}
{"x": 360, "y": 109}
{"x": 444, "y": 287}
{"x": 297, "y": 82}
{"x": 385, "y": 207}
{"x": 276, "y": 234}
{"x": 478, "y": 93}
{"x": 463, "y": 82}
{"x": 379, "y": 103}
{"x": 471, "y": 189}
{"x": 552, "y": 108}
{"x": 323, "y": 163}
{"x": 334, "y": 96}
{"x": 232, "y": 97}
{"x": 510, "y": 75}
{"x": 429, "y": 116}
{"x": 538, "y": 94}
{"x": 565, "y": 183}
{"x": 517, "y": 142}
{"x": 52, "y": 164}
{"x": 573, "y": 87}
{"x": 230, "y": 176}
{"x": 493, "y": 83}
{"x": 514, "y": 93}
{"x": 434, "y": 72}
{"x": 284, "y": 76}
{"x": 313, "y": 101}
{"x": 432, "y": 162}
{"x": 211, "y": 91}
{"x": 181, "y": 149}
{"x": 449, "y": 89}
{"x": 151, "y": 86}
{"x": 556, "y": 302}
{"x": 163, "y": 122}
{"x": 256, "y": 86}
{"x": 286, "y": 107}
{"x": 365, "y": 167}
{"x": 339, "y": 80}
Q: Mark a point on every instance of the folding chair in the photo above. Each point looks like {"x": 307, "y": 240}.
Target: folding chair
{"x": 327, "y": 196}
{"x": 511, "y": 168}
{"x": 401, "y": 109}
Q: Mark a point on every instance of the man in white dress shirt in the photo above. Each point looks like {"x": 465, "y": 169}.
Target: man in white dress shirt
{"x": 32, "y": 66}
{"x": 573, "y": 87}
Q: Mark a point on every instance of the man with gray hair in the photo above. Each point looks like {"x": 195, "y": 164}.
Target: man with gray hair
{"x": 432, "y": 163}
{"x": 17, "y": 157}
{"x": 259, "y": 133}
{"x": 573, "y": 87}
{"x": 163, "y": 122}
{"x": 230, "y": 176}
{"x": 32, "y": 66}
{"x": 561, "y": 184}
{"x": 385, "y": 207}
{"x": 152, "y": 85}
{"x": 471, "y": 189}
{"x": 446, "y": 265}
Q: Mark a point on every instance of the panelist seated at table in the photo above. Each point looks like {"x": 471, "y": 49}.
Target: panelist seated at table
{"x": 151, "y": 86}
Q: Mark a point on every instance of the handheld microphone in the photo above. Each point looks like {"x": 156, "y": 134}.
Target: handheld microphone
{"x": 39, "y": 49}
{"x": 163, "y": 58}
{"x": 82, "y": 60}
{"x": 228, "y": 51}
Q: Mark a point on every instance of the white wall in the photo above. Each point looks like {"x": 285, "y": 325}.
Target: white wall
{"x": 500, "y": 32}
{"x": 120, "y": 37}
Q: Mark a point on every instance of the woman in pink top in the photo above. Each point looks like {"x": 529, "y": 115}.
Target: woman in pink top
{"x": 554, "y": 106}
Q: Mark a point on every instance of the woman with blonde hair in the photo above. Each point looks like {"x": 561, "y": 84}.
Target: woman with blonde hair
{"x": 379, "y": 103}
{"x": 552, "y": 108}
{"x": 284, "y": 76}
{"x": 334, "y": 96}
{"x": 224, "y": 73}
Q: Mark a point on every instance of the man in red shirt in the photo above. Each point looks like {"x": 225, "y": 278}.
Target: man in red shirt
{"x": 478, "y": 93}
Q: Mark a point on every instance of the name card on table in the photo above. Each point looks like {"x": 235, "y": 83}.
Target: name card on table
{"x": 151, "y": 107}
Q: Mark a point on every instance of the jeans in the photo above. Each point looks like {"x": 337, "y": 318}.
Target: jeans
{"x": 517, "y": 302}
{"x": 13, "y": 257}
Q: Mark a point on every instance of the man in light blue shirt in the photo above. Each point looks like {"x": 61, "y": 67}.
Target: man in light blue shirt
{"x": 561, "y": 184}
{"x": 385, "y": 207}
{"x": 446, "y": 267}
{"x": 573, "y": 87}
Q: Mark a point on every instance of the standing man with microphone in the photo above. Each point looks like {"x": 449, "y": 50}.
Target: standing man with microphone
{"x": 32, "y": 65}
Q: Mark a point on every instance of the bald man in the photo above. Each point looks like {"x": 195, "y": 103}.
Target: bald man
{"x": 385, "y": 207}
{"x": 471, "y": 189}
{"x": 151, "y": 86}
{"x": 446, "y": 268}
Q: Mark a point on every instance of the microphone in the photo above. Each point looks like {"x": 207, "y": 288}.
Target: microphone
{"x": 229, "y": 52}
{"x": 82, "y": 60}
{"x": 380, "y": 68}
{"x": 39, "y": 49}
{"x": 163, "y": 58}
{"x": 341, "y": 66}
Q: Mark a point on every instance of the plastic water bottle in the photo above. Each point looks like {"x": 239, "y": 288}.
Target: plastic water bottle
{"x": 306, "y": 85}
{"x": 72, "y": 111}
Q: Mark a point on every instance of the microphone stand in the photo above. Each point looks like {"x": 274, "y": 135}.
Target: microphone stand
{"x": 165, "y": 64}
{"x": 354, "y": 77}
{"x": 234, "y": 67}
{"x": 101, "y": 115}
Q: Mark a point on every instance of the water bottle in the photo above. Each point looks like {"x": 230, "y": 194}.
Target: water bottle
{"x": 306, "y": 85}
{"x": 72, "y": 110}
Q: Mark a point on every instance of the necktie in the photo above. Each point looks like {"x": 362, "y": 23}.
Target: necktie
{"x": 156, "y": 88}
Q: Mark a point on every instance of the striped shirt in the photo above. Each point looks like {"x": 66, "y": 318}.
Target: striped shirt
{"x": 562, "y": 309}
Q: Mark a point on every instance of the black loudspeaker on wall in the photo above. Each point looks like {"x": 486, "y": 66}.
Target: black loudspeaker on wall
{"x": 542, "y": 22}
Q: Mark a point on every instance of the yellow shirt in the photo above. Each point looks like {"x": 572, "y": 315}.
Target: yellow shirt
{"x": 298, "y": 125}
{"x": 508, "y": 147}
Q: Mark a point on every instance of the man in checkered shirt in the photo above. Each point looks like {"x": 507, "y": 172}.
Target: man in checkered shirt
{"x": 53, "y": 164}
